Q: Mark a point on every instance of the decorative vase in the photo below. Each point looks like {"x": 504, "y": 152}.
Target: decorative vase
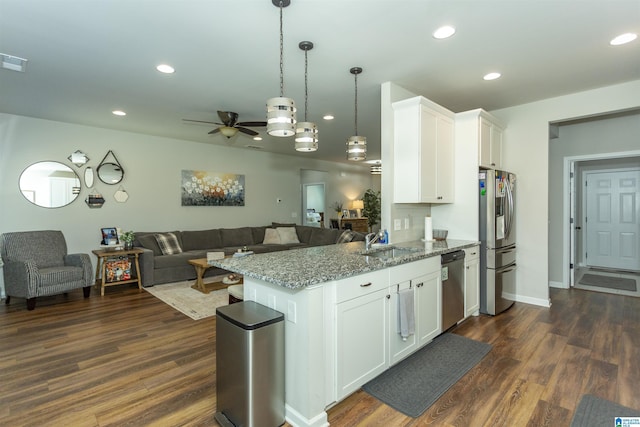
{"x": 128, "y": 246}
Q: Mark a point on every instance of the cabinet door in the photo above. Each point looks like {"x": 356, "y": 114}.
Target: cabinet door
{"x": 399, "y": 348}
{"x": 484, "y": 149}
{"x": 446, "y": 161}
{"x": 472, "y": 284}
{"x": 428, "y": 307}
{"x": 496, "y": 146}
{"x": 361, "y": 347}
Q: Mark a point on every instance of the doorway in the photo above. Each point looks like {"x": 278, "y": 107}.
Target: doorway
{"x": 602, "y": 210}
{"x": 313, "y": 204}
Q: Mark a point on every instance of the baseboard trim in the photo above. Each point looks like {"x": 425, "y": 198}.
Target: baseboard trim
{"x": 559, "y": 285}
{"x": 529, "y": 300}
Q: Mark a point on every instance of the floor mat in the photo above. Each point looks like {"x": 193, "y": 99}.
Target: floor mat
{"x": 610, "y": 282}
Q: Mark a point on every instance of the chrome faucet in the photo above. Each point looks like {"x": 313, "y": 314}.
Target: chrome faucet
{"x": 371, "y": 238}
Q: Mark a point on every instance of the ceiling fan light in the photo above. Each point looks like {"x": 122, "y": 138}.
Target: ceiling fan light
{"x": 228, "y": 131}
{"x": 281, "y": 116}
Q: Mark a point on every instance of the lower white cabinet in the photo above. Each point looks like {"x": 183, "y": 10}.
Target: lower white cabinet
{"x": 423, "y": 278}
{"x": 472, "y": 281}
{"x": 361, "y": 338}
{"x": 429, "y": 305}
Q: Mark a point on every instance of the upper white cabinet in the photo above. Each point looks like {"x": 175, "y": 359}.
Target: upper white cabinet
{"x": 490, "y": 144}
{"x": 423, "y": 152}
{"x": 485, "y": 131}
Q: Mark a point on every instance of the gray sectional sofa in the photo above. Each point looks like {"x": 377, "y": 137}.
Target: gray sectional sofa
{"x": 157, "y": 268}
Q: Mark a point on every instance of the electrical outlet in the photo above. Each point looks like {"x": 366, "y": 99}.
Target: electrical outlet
{"x": 397, "y": 224}
{"x": 406, "y": 223}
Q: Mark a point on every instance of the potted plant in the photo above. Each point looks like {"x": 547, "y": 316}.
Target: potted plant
{"x": 127, "y": 238}
{"x": 337, "y": 206}
{"x": 372, "y": 208}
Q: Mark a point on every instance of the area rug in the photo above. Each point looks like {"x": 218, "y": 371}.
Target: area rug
{"x": 595, "y": 412}
{"x": 414, "y": 384}
{"x": 610, "y": 282}
{"x": 189, "y": 301}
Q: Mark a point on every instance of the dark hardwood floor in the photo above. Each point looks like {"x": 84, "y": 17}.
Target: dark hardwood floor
{"x": 127, "y": 359}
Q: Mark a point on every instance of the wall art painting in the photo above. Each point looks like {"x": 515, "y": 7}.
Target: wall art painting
{"x": 201, "y": 188}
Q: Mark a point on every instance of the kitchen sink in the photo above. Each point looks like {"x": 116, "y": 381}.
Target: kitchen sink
{"x": 390, "y": 253}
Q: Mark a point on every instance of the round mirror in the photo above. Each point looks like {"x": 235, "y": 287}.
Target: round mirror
{"x": 49, "y": 184}
{"x": 110, "y": 173}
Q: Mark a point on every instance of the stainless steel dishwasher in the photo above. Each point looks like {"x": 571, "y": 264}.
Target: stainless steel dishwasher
{"x": 452, "y": 274}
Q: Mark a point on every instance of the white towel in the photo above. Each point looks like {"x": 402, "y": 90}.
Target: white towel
{"x": 406, "y": 316}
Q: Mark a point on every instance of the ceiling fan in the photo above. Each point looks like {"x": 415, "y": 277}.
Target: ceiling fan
{"x": 230, "y": 124}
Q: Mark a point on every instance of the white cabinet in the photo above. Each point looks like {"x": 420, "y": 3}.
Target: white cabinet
{"x": 489, "y": 143}
{"x": 472, "y": 281}
{"x": 423, "y": 278}
{"x": 362, "y": 317}
{"x": 423, "y": 152}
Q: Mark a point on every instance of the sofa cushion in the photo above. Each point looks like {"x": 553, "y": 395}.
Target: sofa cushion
{"x": 324, "y": 236}
{"x": 258, "y": 233}
{"x": 288, "y": 235}
{"x": 147, "y": 240}
{"x": 271, "y": 237}
{"x": 178, "y": 260}
{"x": 346, "y": 236}
{"x": 203, "y": 239}
{"x": 282, "y": 224}
{"x": 236, "y": 236}
{"x": 168, "y": 243}
{"x": 304, "y": 233}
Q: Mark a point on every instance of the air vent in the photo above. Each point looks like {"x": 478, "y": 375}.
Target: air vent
{"x": 13, "y": 63}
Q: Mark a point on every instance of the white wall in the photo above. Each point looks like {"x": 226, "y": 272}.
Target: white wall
{"x": 415, "y": 213}
{"x": 526, "y": 152}
{"x": 152, "y": 178}
{"x": 603, "y": 136}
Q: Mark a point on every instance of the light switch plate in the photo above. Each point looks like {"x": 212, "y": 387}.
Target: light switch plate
{"x": 406, "y": 223}
{"x": 397, "y": 224}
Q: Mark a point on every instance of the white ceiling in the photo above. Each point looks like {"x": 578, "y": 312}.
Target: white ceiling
{"x": 88, "y": 57}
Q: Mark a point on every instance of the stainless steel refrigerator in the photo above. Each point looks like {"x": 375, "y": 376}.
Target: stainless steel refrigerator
{"x": 497, "y": 240}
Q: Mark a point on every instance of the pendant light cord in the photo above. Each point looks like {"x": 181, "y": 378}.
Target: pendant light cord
{"x": 281, "y": 55}
{"x": 306, "y": 92}
{"x": 356, "y": 84}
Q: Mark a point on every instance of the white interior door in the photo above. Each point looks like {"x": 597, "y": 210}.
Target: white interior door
{"x": 612, "y": 221}
{"x": 572, "y": 215}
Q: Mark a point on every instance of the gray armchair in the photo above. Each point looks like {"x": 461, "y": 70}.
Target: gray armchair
{"x": 36, "y": 264}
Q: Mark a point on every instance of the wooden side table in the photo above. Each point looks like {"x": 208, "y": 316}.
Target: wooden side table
{"x": 103, "y": 256}
{"x": 357, "y": 224}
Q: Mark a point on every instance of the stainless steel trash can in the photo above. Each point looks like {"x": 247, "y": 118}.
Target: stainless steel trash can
{"x": 249, "y": 365}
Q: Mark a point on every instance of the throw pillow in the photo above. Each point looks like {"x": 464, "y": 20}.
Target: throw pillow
{"x": 271, "y": 237}
{"x": 168, "y": 243}
{"x": 346, "y": 236}
{"x": 288, "y": 235}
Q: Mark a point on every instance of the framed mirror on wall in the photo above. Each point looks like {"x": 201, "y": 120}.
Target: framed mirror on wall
{"x": 110, "y": 172}
{"x": 49, "y": 184}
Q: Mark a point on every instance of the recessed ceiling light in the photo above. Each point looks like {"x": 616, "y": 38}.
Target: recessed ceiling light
{"x": 444, "y": 32}
{"x": 119, "y": 113}
{"x": 257, "y": 138}
{"x": 328, "y": 117}
{"x": 166, "y": 69}
{"x": 623, "y": 38}
{"x": 492, "y": 76}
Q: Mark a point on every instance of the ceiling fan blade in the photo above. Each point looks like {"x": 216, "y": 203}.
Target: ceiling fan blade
{"x": 200, "y": 121}
{"x": 252, "y": 124}
{"x": 247, "y": 131}
{"x": 229, "y": 118}
{"x": 214, "y": 131}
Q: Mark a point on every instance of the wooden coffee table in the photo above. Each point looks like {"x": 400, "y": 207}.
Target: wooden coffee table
{"x": 201, "y": 265}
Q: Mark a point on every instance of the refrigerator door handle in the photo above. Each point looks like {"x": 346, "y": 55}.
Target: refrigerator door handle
{"x": 509, "y": 201}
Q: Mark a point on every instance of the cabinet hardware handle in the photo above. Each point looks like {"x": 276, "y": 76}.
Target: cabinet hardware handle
{"x": 388, "y": 296}
{"x": 419, "y": 285}
{"x": 467, "y": 267}
{"x": 364, "y": 285}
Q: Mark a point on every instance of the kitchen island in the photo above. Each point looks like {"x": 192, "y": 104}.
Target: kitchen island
{"x": 340, "y": 313}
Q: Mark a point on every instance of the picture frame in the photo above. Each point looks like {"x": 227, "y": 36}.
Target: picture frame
{"x": 109, "y": 236}
{"x": 345, "y": 213}
{"x": 353, "y": 213}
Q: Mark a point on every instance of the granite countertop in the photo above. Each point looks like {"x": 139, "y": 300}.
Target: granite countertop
{"x": 299, "y": 268}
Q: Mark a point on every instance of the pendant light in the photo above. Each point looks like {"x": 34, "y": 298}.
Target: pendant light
{"x": 306, "y": 132}
{"x": 281, "y": 111}
{"x": 376, "y": 169}
{"x": 356, "y": 145}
